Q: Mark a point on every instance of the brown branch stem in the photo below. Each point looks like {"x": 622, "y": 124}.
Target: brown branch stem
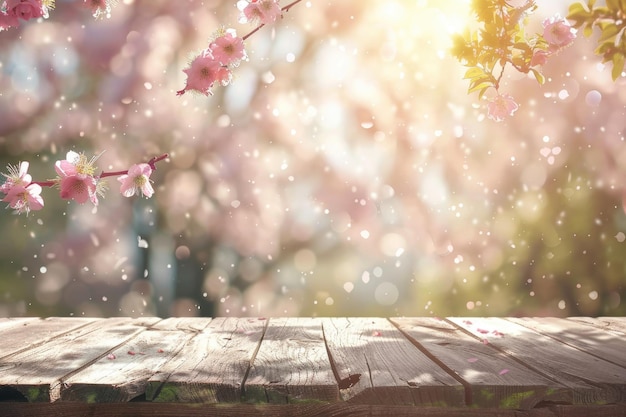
{"x": 283, "y": 9}
{"x": 152, "y": 162}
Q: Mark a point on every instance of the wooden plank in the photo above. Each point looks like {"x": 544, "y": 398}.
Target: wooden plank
{"x": 7, "y": 322}
{"x": 376, "y": 364}
{"x": 492, "y": 380}
{"x": 291, "y": 365}
{"x": 212, "y": 366}
{"x": 38, "y": 373}
{"x": 592, "y": 380}
{"x": 600, "y": 343}
{"x": 184, "y": 324}
{"x": 615, "y": 324}
{"x": 34, "y": 332}
{"x": 123, "y": 374}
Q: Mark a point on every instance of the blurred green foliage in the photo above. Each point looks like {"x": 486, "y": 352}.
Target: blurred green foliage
{"x": 611, "y": 20}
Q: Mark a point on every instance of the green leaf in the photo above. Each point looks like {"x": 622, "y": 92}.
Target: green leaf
{"x": 538, "y": 76}
{"x": 600, "y": 12}
{"x": 620, "y": 36}
{"x": 604, "y": 48}
{"x": 608, "y": 32}
{"x": 484, "y": 85}
{"x": 473, "y": 72}
{"x": 482, "y": 92}
{"x": 577, "y": 10}
{"x": 580, "y": 14}
{"x": 481, "y": 80}
{"x": 618, "y": 65}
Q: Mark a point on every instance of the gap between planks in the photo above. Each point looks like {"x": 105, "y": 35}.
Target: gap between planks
{"x": 343, "y": 382}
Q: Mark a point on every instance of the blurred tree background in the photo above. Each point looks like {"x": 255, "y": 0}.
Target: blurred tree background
{"x": 344, "y": 172}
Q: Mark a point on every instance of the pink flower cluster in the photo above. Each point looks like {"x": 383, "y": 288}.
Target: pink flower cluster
{"x": 20, "y": 192}
{"x": 137, "y": 181}
{"x": 262, "y": 11}
{"x": 215, "y": 63}
{"x": 558, "y": 34}
{"x": 99, "y": 8}
{"x": 12, "y": 11}
{"x": 76, "y": 179}
{"x": 501, "y": 106}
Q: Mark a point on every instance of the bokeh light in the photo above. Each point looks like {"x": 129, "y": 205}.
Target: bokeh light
{"x": 345, "y": 171}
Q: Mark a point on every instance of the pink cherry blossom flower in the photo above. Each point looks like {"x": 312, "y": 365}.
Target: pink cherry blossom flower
{"x": 76, "y": 178}
{"x": 17, "y": 176}
{"x": 8, "y": 21}
{"x": 203, "y": 72}
{"x": 228, "y": 49}
{"x": 99, "y": 8}
{"x": 501, "y": 106}
{"x": 540, "y": 57}
{"x": 23, "y": 199}
{"x": 27, "y": 9}
{"x": 265, "y": 11}
{"x": 79, "y": 188}
{"x": 558, "y": 32}
{"x": 137, "y": 181}
{"x": 21, "y": 194}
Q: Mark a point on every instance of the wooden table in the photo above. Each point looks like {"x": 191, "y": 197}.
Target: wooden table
{"x": 313, "y": 367}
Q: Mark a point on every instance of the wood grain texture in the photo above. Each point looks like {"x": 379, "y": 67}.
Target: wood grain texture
{"x": 492, "y": 379}
{"x": 38, "y": 372}
{"x": 23, "y": 334}
{"x": 291, "y": 365}
{"x": 603, "y": 344}
{"x": 123, "y": 373}
{"x": 211, "y": 366}
{"x": 539, "y": 367}
{"x": 375, "y": 364}
{"x": 591, "y": 379}
{"x": 7, "y": 322}
{"x": 615, "y": 324}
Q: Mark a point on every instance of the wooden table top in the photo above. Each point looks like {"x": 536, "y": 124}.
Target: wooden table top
{"x": 337, "y": 366}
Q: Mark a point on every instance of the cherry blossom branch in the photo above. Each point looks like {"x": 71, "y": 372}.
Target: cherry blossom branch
{"x": 152, "y": 163}
{"x": 284, "y": 9}
{"x": 503, "y": 39}
{"x": 215, "y": 63}
{"x": 49, "y": 183}
{"x": 497, "y": 85}
{"x": 76, "y": 180}
{"x": 11, "y": 12}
